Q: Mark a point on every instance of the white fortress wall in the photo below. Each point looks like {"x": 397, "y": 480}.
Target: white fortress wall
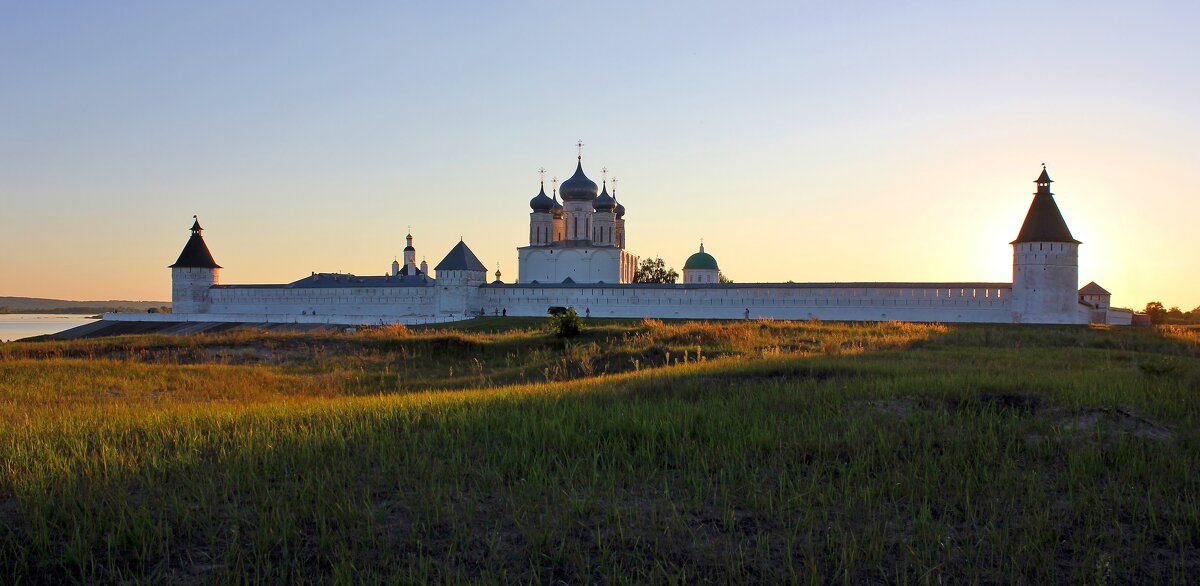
{"x": 373, "y": 302}
{"x": 941, "y": 302}
{"x": 279, "y": 318}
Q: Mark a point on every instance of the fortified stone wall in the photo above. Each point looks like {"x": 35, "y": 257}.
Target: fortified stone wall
{"x": 383, "y": 302}
{"x": 941, "y": 302}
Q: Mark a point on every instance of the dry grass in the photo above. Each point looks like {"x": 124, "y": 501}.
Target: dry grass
{"x": 643, "y": 452}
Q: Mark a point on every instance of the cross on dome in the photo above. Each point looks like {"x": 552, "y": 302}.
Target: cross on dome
{"x": 579, "y": 145}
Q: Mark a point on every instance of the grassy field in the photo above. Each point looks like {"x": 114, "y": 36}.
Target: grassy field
{"x": 641, "y": 452}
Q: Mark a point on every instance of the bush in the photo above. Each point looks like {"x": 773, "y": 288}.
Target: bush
{"x": 566, "y": 324}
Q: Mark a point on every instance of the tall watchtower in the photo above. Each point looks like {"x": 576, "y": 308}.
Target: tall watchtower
{"x": 1045, "y": 263}
{"x": 193, "y": 274}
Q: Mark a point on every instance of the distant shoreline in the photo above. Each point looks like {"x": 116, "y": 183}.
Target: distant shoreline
{"x": 72, "y": 310}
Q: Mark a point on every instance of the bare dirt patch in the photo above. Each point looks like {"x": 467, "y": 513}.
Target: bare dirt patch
{"x": 1112, "y": 421}
{"x": 901, "y": 407}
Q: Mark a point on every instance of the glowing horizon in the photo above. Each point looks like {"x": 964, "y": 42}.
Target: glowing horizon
{"x": 805, "y": 143}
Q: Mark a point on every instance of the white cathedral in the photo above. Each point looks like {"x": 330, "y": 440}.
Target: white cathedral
{"x": 576, "y": 257}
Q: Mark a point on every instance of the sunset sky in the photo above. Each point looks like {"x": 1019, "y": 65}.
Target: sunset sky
{"x": 805, "y": 141}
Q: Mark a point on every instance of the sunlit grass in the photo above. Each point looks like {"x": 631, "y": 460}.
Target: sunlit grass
{"x": 645, "y": 451}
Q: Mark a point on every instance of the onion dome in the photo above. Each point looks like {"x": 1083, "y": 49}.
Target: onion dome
{"x": 542, "y": 202}
{"x": 701, "y": 261}
{"x": 604, "y": 202}
{"x": 558, "y": 206}
{"x": 578, "y": 187}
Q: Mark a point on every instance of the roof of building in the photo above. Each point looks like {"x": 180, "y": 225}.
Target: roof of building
{"x": 1044, "y": 222}
{"x": 702, "y": 261}
{"x": 195, "y": 253}
{"x": 1093, "y": 289}
{"x": 542, "y": 202}
{"x": 605, "y": 201}
{"x": 460, "y": 258}
{"x": 578, "y": 187}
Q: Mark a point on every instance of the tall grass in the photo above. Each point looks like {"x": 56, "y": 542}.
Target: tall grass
{"x": 810, "y": 452}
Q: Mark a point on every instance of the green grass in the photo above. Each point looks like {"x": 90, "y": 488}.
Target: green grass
{"x": 641, "y": 452}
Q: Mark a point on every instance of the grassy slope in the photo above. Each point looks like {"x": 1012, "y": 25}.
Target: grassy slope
{"x": 803, "y": 452}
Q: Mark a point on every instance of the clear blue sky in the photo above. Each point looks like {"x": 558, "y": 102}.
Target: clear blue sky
{"x": 802, "y": 140}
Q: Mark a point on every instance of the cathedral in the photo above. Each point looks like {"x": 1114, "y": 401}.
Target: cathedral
{"x": 576, "y": 257}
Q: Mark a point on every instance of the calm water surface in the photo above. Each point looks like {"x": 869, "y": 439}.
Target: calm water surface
{"x": 23, "y": 325}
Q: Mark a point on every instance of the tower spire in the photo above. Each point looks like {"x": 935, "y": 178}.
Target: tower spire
{"x": 579, "y": 145}
{"x": 1043, "y": 181}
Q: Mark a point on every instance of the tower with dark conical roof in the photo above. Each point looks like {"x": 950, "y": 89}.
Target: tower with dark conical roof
{"x": 193, "y": 275}
{"x": 1045, "y": 263}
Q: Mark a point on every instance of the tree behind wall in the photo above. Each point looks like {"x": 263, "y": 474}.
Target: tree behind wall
{"x": 1161, "y": 315}
{"x": 654, "y": 270}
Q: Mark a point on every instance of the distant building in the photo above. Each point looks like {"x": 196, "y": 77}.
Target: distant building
{"x": 576, "y": 256}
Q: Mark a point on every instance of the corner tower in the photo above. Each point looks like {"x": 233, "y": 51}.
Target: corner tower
{"x": 193, "y": 274}
{"x": 1045, "y": 264}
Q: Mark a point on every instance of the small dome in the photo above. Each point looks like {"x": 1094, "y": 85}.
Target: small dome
{"x": 701, "y": 261}
{"x": 604, "y": 202}
{"x": 620, "y": 210}
{"x": 541, "y": 202}
{"x": 578, "y": 187}
{"x": 557, "y": 210}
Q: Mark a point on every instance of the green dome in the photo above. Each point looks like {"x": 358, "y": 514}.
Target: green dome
{"x": 701, "y": 261}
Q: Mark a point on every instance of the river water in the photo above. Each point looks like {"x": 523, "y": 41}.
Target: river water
{"x": 15, "y": 326}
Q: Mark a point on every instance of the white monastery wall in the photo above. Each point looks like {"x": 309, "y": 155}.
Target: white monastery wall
{"x": 373, "y": 302}
{"x": 948, "y": 302}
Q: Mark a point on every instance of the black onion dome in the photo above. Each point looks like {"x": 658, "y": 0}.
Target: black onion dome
{"x": 620, "y": 210}
{"x": 604, "y": 202}
{"x": 541, "y": 202}
{"x": 578, "y": 187}
{"x": 558, "y": 209}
